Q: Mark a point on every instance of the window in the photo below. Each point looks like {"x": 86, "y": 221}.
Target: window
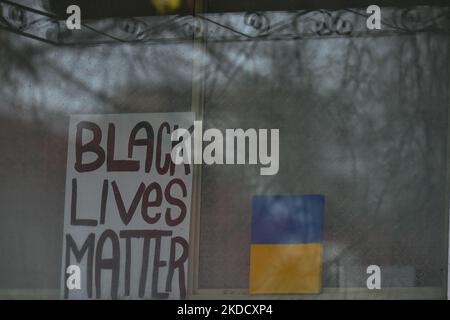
{"x": 362, "y": 114}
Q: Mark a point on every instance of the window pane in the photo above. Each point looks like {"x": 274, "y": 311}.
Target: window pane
{"x": 362, "y": 121}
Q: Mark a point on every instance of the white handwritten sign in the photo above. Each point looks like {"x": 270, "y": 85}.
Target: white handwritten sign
{"x": 127, "y": 208}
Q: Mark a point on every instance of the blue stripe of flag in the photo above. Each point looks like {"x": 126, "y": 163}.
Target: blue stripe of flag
{"x": 287, "y": 219}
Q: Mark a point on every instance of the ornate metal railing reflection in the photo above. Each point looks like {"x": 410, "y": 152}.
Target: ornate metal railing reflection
{"x": 38, "y": 23}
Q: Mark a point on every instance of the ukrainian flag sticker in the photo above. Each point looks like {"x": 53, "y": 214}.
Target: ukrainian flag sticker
{"x": 286, "y": 245}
